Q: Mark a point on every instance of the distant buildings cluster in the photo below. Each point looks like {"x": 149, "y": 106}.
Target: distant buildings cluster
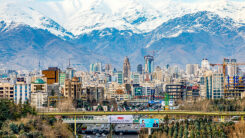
{"x": 105, "y": 83}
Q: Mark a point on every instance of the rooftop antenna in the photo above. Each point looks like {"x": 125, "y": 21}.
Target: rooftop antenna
{"x": 69, "y": 63}
{"x": 39, "y": 65}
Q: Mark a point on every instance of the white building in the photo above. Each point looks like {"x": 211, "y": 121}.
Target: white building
{"x": 22, "y": 92}
{"x": 38, "y": 99}
{"x": 192, "y": 69}
{"x": 97, "y": 67}
{"x": 205, "y": 65}
{"x": 136, "y": 78}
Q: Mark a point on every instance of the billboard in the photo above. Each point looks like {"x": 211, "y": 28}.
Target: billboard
{"x": 120, "y": 119}
{"x": 163, "y": 103}
{"x": 149, "y": 123}
{"x": 171, "y": 103}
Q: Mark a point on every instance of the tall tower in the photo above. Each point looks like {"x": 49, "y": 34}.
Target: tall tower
{"x": 149, "y": 64}
{"x": 140, "y": 68}
{"x": 126, "y": 68}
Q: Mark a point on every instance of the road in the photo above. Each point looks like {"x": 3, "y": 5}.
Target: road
{"x": 173, "y": 112}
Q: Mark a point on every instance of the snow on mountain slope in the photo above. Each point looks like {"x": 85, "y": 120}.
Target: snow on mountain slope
{"x": 83, "y": 16}
{"x": 194, "y": 23}
{"x": 194, "y": 36}
{"x": 18, "y": 12}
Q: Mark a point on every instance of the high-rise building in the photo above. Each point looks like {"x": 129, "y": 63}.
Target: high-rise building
{"x": 232, "y": 68}
{"x": 205, "y": 64}
{"x": 120, "y": 77}
{"x": 140, "y": 68}
{"x": 149, "y": 64}
{"x": 148, "y": 91}
{"x": 108, "y": 68}
{"x": 212, "y": 85}
{"x": 136, "y": 78}
{"x": 73, "y": 88}
{"x": 22, "y": 92}
{"x": 175, "y": 91}
{"x": 62, "y": 77}
{"x": 91, "y": 68}
{"x": 94, "y": 93}
{"x": 70, "y": 72}
{"x": 191, "y": 69}
{"x": 158, "y": 74}
{"x": 126, "y": 68}
{"x": 217, "y": 85}
{"x": 97, "y": 67}
{"x": 52, "y": 75}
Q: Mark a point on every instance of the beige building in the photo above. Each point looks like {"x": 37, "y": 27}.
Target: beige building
{"x": 39, "y": 86}
{"x": 117, "y": 92}
{"x": 6, "y": 91}
{"x": 39, "y": 94}
{"x": 158, "y": 74}
{"x": 73, "y": 88}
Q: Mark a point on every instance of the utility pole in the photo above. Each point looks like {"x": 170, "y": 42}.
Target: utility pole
{"x": 75, "y": 126}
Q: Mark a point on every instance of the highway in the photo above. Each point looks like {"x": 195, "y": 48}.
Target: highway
{"x": 98, "y": 113}
{"x": 75, "y": 114}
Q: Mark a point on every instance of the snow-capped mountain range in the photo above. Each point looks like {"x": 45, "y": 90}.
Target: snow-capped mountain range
{"x": 107, "y": 30}
{"x": 83, "y": 16}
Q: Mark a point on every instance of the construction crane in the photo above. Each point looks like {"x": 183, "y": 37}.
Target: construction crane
{"x": 235, "y": 81}
{"x": 225, "y": 63}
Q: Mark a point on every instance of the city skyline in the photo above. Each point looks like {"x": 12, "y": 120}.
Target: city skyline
{"x": 122, "y": 68}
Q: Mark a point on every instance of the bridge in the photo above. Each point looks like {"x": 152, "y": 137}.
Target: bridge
{"x": 85, "y": 121}
{"x": 99, "y": 113}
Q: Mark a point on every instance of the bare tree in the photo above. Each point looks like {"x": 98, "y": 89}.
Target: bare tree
{"x": 65, "y": 105}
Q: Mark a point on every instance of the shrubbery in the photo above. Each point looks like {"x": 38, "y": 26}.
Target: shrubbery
{"x": 214, "y": 105}
{"x": 11, "y": 111}
{"x": 199, "y": 128}
{"x": 21, "y": 121}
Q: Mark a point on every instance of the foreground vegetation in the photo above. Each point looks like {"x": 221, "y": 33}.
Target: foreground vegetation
{"x": 214, "y": 105}
{"x": 199, "y": 128}
{"x": 21, "y": 121}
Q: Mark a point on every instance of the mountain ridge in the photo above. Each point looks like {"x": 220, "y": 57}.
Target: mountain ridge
{"x": 70, "y": 18}
{"x": 217, "y": 38}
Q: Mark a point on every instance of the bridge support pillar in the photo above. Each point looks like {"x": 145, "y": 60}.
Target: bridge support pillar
{"x": 75, "y": 125}
{"x": 149, "y": 131}
{"x": 222, "y": 119}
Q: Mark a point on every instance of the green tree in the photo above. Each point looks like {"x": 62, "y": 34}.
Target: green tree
{"x": 192, "y": 134}
{"x": 180, "y": 134}
{"x": 14, "y": 128}
{"x": 186, "y": 132}
{"x": 171, "y": 131}
{"x": 175, "y": 135}
{"x": 52, "y": 92}
{"x": 166, "y": 129}
{"x": 166, "y": 119}
{"x": 52, "y": 120}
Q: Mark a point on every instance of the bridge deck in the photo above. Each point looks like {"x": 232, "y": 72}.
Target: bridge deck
{"x": 195, "y": 113}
